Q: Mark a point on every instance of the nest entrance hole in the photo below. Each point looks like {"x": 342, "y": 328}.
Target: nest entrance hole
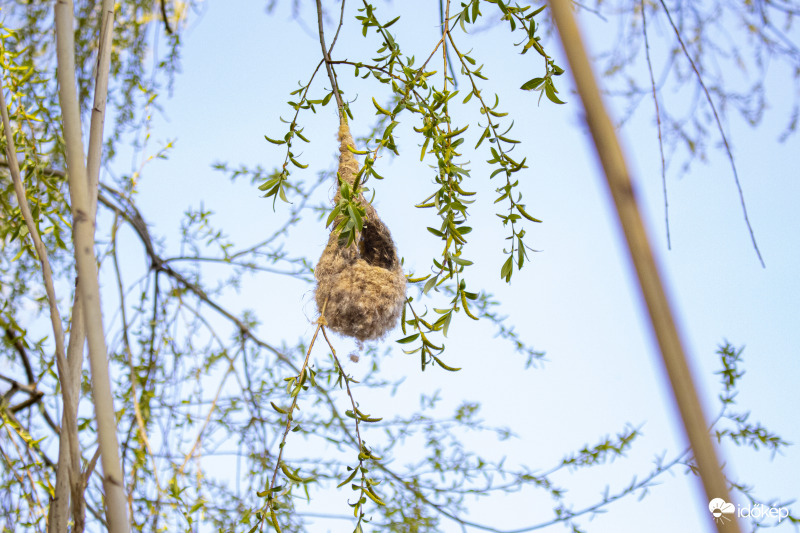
{"x": 377, "y": 248}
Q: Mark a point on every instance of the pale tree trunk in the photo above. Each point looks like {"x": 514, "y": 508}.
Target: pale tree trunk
{"x": 69, "y": 480}
{"x": 69, "y": 454}
{"x": 88, "y": 288}
{"x": 658, "y": 306}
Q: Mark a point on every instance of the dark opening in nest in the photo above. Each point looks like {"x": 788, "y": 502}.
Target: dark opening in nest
{"x": 377, "y": 247}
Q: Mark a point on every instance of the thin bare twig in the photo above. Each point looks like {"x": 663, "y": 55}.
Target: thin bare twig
{"x": 444, "y": 18}
{"x": 207, "y": 420}
{"x": 327, "y": 59}
{"x": 29, "y": 389}
{"x": 719, "y": 128}
{"x": 338, "y": 28}
{"x": 35, "y": 395}
{"x": 361, "y": 449}
{"x": 137, "y": 410}
{"x": 658, "y": 123}
{"x": 32, "y": 383}
{"x": 132, "y": 216}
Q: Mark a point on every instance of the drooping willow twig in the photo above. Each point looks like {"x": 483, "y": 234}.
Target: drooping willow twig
{"x": 140, "y": 423}
{"x": 364, "y": 453}
{"x": 296, "y": 385}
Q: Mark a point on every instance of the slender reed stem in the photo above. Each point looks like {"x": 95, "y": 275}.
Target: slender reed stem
{"x": 661, "y": 318}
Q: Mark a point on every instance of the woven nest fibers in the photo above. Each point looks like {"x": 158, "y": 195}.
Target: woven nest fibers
{"x": 361, "y": 288}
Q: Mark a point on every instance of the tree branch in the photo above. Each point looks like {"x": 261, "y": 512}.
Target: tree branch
{"x": 327, "y": 57}
{"x": 64, "y": 372}
{"x": 164, "y": 16}
{"x": 23, "y": 355}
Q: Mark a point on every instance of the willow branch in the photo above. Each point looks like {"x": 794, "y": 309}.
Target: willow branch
{"x": 164, "y": 16}
{"x": 33, "y": 484}
{"x": 35, "y": 395}
{"x": 89, "y": 287}
{"x": 137, "y": 410}
{"x": 41, "y": 251}
{"x": 23, "y": 355}
{"x": 70, "y": 433}
{"x": 444, "y": 17}
{"x": 131, "y": 215}
{"x": 327, "y": 57}
{"x": 622, "y": 190}
{"x": 297, "y": 384}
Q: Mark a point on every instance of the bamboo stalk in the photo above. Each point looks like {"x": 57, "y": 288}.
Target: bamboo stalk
{"x": 83, "y": 237}
{"x": 661, "y": 318}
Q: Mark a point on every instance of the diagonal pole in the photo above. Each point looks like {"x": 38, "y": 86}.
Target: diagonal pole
{"x": 661, "y": 318}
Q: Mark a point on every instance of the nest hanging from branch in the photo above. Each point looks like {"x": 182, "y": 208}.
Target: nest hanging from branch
{"x": 361, "y": 288}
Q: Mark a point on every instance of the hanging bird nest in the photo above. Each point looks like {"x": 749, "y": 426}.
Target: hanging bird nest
{"x": 361, "y": 288}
